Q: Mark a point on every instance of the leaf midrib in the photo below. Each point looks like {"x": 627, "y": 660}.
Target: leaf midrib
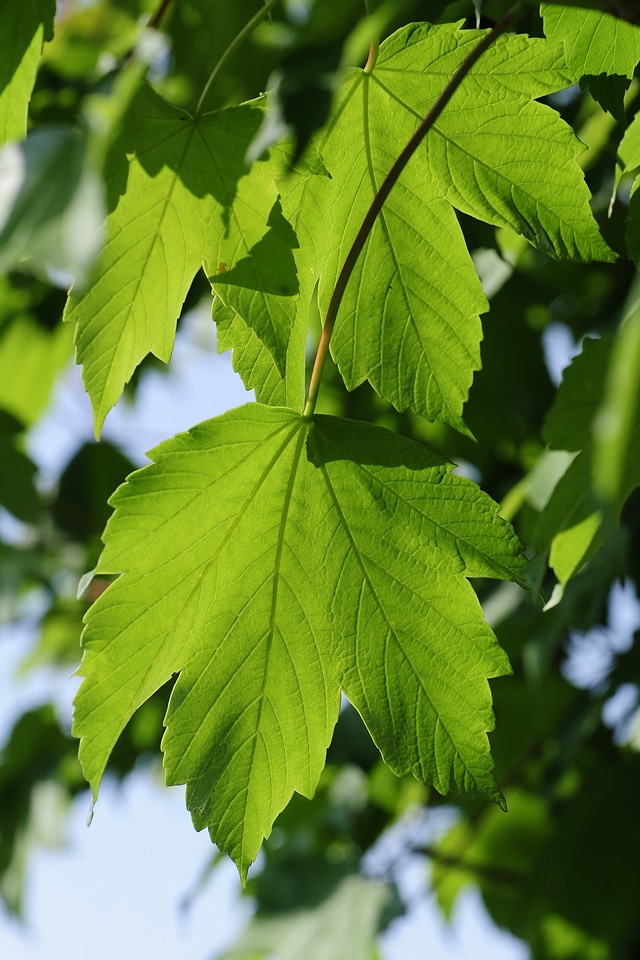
{"x": 303, "y": 427}
{"x": 197, "y": 572}
{"x": 100, "y": 412}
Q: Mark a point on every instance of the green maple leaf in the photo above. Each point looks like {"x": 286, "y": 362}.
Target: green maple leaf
{"x": 595, "y": 42}
{"x": 410, "y": 316}
{"x": 181, "y": 197}
{"x": 498, "y": 154}
{"x": 273, "y": 560}
{"x": 601, "y": 48}
{"x": 25, "y": 26}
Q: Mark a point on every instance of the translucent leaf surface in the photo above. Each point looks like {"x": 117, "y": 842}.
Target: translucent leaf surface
{"x": 629, "y": 149}
{"x": 499, "y": 155}
{"x": 25, "y": 26}
{"x": 181, "y": 197}
{"x": 236, "y": 328}
{"x": 601, "y": 48}
{"x": 595, "y": 42}
{"x": 494, "y": 153}
{"x": 273, "y": 560}
{"x": 254, "y": 363}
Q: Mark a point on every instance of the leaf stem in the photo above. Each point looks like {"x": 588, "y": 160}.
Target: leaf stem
{"x": 373, "y": 56}
{"x": 237, "y": 42}
{"x": 380, "y": 197}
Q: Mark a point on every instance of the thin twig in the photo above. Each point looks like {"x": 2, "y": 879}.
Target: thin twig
{"x": 158, "y": 16}
{"x": 237, "y": 42}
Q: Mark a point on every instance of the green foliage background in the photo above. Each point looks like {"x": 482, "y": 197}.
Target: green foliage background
{"x": 280, "y": 554}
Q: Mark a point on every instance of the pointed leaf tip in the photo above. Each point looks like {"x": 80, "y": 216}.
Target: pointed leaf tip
{"x": 272, "y": 560}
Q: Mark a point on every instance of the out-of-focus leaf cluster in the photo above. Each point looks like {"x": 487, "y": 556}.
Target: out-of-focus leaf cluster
{"x": 569, "y": 772}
